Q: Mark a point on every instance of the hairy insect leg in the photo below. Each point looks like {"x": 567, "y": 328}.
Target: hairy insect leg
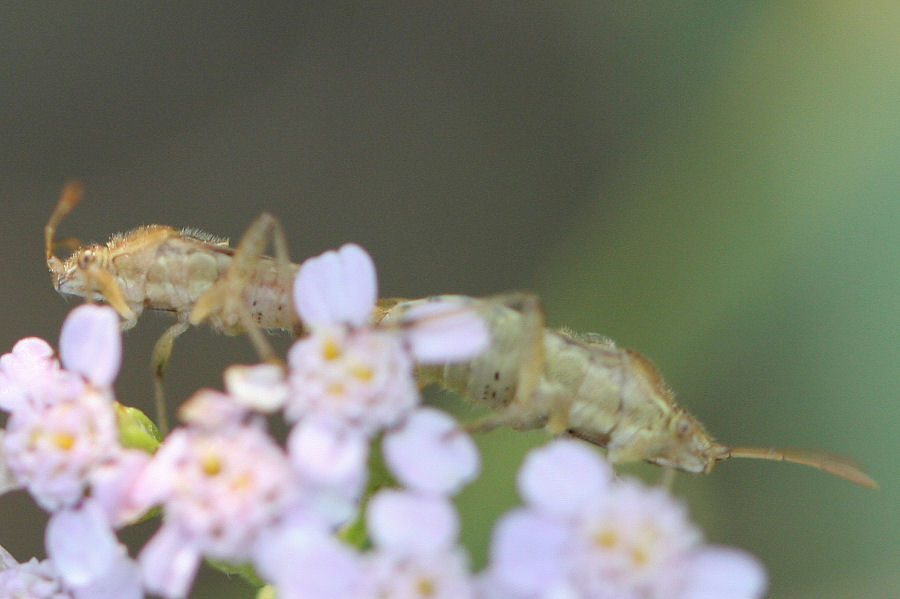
{"x": 227, "y": 294}
{"x": 159, "y": 361}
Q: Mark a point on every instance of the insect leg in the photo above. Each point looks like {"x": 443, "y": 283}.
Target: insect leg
{"x": 159, "y": 361}
{"x": 112, "y": 293}
{"x": 517, "y": 326}
{"x": 227, "y": 294}
{"x": 513, "y": 416}
{"x": 667, "y": 480}
{"x": 531, "y": 361}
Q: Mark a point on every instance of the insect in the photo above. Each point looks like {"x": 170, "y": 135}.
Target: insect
{"x": 588, "y": 387}
{"x": 195, "y": 276}
{"x": 531, "y": 376}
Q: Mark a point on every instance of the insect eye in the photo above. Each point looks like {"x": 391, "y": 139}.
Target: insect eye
{"x": 683, "y": 428}
{"x": 86, "y": 258}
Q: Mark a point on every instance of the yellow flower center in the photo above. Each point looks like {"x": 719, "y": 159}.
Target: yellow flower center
{"x": 606, "y": 538}
{"x": 64, "y": 441}
{"x": 330, "y": 349}
{"x": 425, "y": 587}
{"x": 211, "y": 465}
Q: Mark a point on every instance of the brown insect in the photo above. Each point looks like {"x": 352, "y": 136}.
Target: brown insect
{"x": 531, "y": 376}
{"x": 195, "y": 276}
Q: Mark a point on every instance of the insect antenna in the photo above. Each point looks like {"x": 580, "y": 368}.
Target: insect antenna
{"x": 823, "y": 460}
{"x": 69, "y": 198}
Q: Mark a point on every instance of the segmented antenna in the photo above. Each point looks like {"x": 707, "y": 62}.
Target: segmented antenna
{"x": 823, "y": 460}
{"x": 68, "y": 199}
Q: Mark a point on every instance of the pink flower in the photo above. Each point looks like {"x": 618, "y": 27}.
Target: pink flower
{"x": 61, "y": 428}
{"x": 415, "y": 553}
{"x": 62, "y": 438}
{"x": 53, "y": 449}
{"x": 31, "y": 375}
{"x": 363, "y": 375}
{"x": 588, "y": 536}
{"x": 86, "y": 561}
{"x": 220, "y": 490}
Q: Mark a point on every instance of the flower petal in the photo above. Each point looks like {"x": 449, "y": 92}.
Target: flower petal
{"x": 528, "y": 554}
{"x": 259, "y": 387}
{"x": 121, "y": 581}
{"x": 445, "y": 330}
{"x": 563, "y": 476}
{"x": 408, "y": 523}
{"x": 112, "y": 483}
{"x": 329, "y": 454}
{"x": 723, "y": 573}
{"x": 90, "y": 343}
{"x": 430, "y": 453}
{"x": 6, "y": 559}
{"x": 169, "y": 563}
{"x": 7, "y": 478}
{"x": 336, "y": 287}
{"x": 70, "y": 532}
{"x": 305, "y": 562}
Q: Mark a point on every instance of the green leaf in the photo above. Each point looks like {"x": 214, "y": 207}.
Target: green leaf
{"x": 136, "y": 430}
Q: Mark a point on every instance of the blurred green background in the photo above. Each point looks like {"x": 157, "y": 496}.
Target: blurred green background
{"x": 713, "y": 184}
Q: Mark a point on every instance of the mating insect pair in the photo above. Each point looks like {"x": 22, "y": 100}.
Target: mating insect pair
{"x": 532, "y": 376}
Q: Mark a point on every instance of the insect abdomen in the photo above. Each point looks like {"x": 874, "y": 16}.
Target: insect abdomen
{"x": 180, "y": 273}
{"x": 270, "y": 303}
{"x": 492, "y": 378}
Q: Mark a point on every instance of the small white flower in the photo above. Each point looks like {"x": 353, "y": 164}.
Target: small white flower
{"x": 593, "y": 537}
{"x": 221, "y": 489}
{"x": 428, "y": 452}
{"x": 363, "y": 378}
{"x": 358, "y": 374}
{"x": 415, "y": 553}
{"x": 31, "y": 376}
{"x": 53, "y": 449}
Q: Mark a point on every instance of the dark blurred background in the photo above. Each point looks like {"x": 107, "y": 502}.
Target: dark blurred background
{"x": 715, "y": 185}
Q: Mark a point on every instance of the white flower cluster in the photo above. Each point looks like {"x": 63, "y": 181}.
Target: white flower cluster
{"x": 230, "y": 493}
